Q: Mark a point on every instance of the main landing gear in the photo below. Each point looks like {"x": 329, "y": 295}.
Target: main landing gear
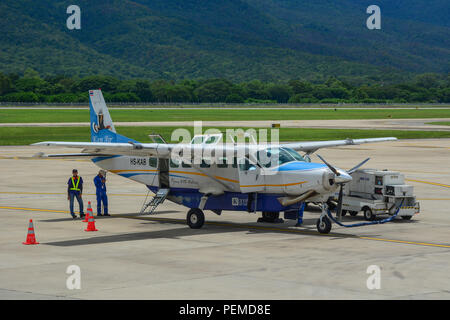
{"x": 272, "y": 217}
{"x": 195, "y": 218}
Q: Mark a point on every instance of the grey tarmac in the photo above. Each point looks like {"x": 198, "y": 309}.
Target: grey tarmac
{"x": 232, "y": 256}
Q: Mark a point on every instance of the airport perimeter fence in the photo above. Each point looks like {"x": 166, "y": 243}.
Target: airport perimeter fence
{"x": 191, "y": 105}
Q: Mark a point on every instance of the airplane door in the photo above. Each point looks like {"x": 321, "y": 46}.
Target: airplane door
{"x": 163, "y": 171}
{"x": 251, "y": 178}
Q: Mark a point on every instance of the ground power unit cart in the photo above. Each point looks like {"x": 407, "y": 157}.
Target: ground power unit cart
{"x": 374, "y": 192}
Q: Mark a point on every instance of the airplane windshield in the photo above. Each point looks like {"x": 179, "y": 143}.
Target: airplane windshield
{"x": 272, "y": 157}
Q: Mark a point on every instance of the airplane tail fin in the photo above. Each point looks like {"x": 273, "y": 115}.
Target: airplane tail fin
{"x": 102, "y": 126}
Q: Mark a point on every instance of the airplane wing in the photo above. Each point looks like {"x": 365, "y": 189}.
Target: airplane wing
{"x": 311, "y": 147}
{"x": 163, "y": 150}
{"x": 103, "y": 148}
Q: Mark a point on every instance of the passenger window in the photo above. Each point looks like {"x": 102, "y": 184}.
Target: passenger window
{"x": 185, "y": 165}
{"x": 211, "y": 140}
{"x": 153, "y": 162}
{"x": 197, "y": 140}
{"x": 204, "y": 164}
{"x": 246, "y": 165}
{"x": 222, "y": 163}
{"x": 174, "y": 163}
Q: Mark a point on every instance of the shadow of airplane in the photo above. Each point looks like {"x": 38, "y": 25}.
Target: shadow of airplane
{"x": 210, "y": 227}
{"x": 120, "y": 215}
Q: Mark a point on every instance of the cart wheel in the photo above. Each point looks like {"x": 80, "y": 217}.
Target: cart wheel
{"x": 406, "y": 217}
{"x": 343, "y": 213}
{"x": 270, "y": 216}
{"x": 195, "y": 218}
{"x": 324, "y": 226}
{"x": 353, "y": 213}
{"x": 368, "y": 214}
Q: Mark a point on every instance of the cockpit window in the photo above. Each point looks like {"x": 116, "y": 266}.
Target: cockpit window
{"x": 295, "y": 154}
{"x": 272, "y": 157}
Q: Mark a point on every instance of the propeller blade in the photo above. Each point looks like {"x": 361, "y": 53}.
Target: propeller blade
{"x": 339, "y": 206}
{"x": 329, "y": 166}
{"x": 356, "y": 167}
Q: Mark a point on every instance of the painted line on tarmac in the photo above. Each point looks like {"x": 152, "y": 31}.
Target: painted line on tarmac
{"x": 429, "y": 182}
{"x": 65, "y": 193}
{"x": 241, "y": 226}
{"x": 143, "y": 195}
{"x": 33, "y": 209}
{"x": 407, "y": 242}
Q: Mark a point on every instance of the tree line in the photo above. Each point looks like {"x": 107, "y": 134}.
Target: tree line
{"x": 30, "y": 87}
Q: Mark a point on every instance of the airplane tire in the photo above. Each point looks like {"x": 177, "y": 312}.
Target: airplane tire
{"x": 324, "y": 226}
{"x": 406, "y": 217}
{"x": 270, "y": 216}
{"x": 195, "y": 218}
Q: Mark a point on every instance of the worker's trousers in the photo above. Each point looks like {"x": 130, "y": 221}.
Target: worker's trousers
{"x": 72, "y": 195}
{"x": 102, "y": 197}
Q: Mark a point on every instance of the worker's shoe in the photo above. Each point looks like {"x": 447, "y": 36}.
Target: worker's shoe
{"x": 99, "y": 214}
{"x": 74, "y": 216}
{"x": 107, "y": 215}
{"x": 82, "y": 215}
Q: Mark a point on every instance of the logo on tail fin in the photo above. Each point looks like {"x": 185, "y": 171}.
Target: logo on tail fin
{"x": 102, "y": 127}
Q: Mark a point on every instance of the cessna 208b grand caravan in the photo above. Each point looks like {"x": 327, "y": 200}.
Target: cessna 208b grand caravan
{"x": 239, "y": 181}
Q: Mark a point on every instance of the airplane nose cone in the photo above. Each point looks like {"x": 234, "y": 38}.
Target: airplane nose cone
{"x": 343, "y": 177}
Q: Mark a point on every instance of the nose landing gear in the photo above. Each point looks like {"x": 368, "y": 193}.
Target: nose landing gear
{"x": 324, "y": 223}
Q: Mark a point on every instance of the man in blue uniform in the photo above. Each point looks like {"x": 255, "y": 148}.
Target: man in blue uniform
{"x": 75, "y": 189}
{"x": 100, "y": 188}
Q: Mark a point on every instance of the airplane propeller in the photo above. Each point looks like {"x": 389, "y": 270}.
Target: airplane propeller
{"x": 357, "y": 166}
{"x": 329, "y": 166}
{"x": 341, "y": 189}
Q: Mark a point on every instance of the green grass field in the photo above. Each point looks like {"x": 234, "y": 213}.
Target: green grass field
{"x": 28, "y": 116}
{"x": 235, "y": 106}
{"x": 440, "y": 123}
{"x": 28, "y": 135}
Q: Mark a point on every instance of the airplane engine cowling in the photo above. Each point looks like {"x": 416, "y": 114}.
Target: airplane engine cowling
{"x": 328, "y": 180}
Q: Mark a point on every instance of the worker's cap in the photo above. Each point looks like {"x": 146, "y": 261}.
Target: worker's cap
{"x": 102, "y": 172}
{"x": 74, "y": 170}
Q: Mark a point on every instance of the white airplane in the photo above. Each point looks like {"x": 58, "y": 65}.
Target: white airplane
{"x": 207, "y": 174}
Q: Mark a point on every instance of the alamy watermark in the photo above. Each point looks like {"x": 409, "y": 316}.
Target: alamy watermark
{"x": 215, "y": 147}
{"x": 74, "y": 279}
{"x": 374, "y": 280}
{"x": 74, "y": 20}
{"x": 374, "y": 21}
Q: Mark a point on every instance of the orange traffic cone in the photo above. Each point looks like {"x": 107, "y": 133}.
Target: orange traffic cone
{"x": 91, "y": 224}
{"x": 89, "y": 212}
{"x": 31, "y": 239}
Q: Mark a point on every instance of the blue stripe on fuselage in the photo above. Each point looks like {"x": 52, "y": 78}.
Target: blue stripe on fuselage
{"x": 104, "y": 158}
{"x": 299, "y": 166}
{"x": 128, "y": 175}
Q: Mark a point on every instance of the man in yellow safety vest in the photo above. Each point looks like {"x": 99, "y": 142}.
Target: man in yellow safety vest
{"x": 75, "y": 189}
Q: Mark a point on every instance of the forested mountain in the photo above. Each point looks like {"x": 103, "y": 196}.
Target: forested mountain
{"x": 239, "y": 40}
